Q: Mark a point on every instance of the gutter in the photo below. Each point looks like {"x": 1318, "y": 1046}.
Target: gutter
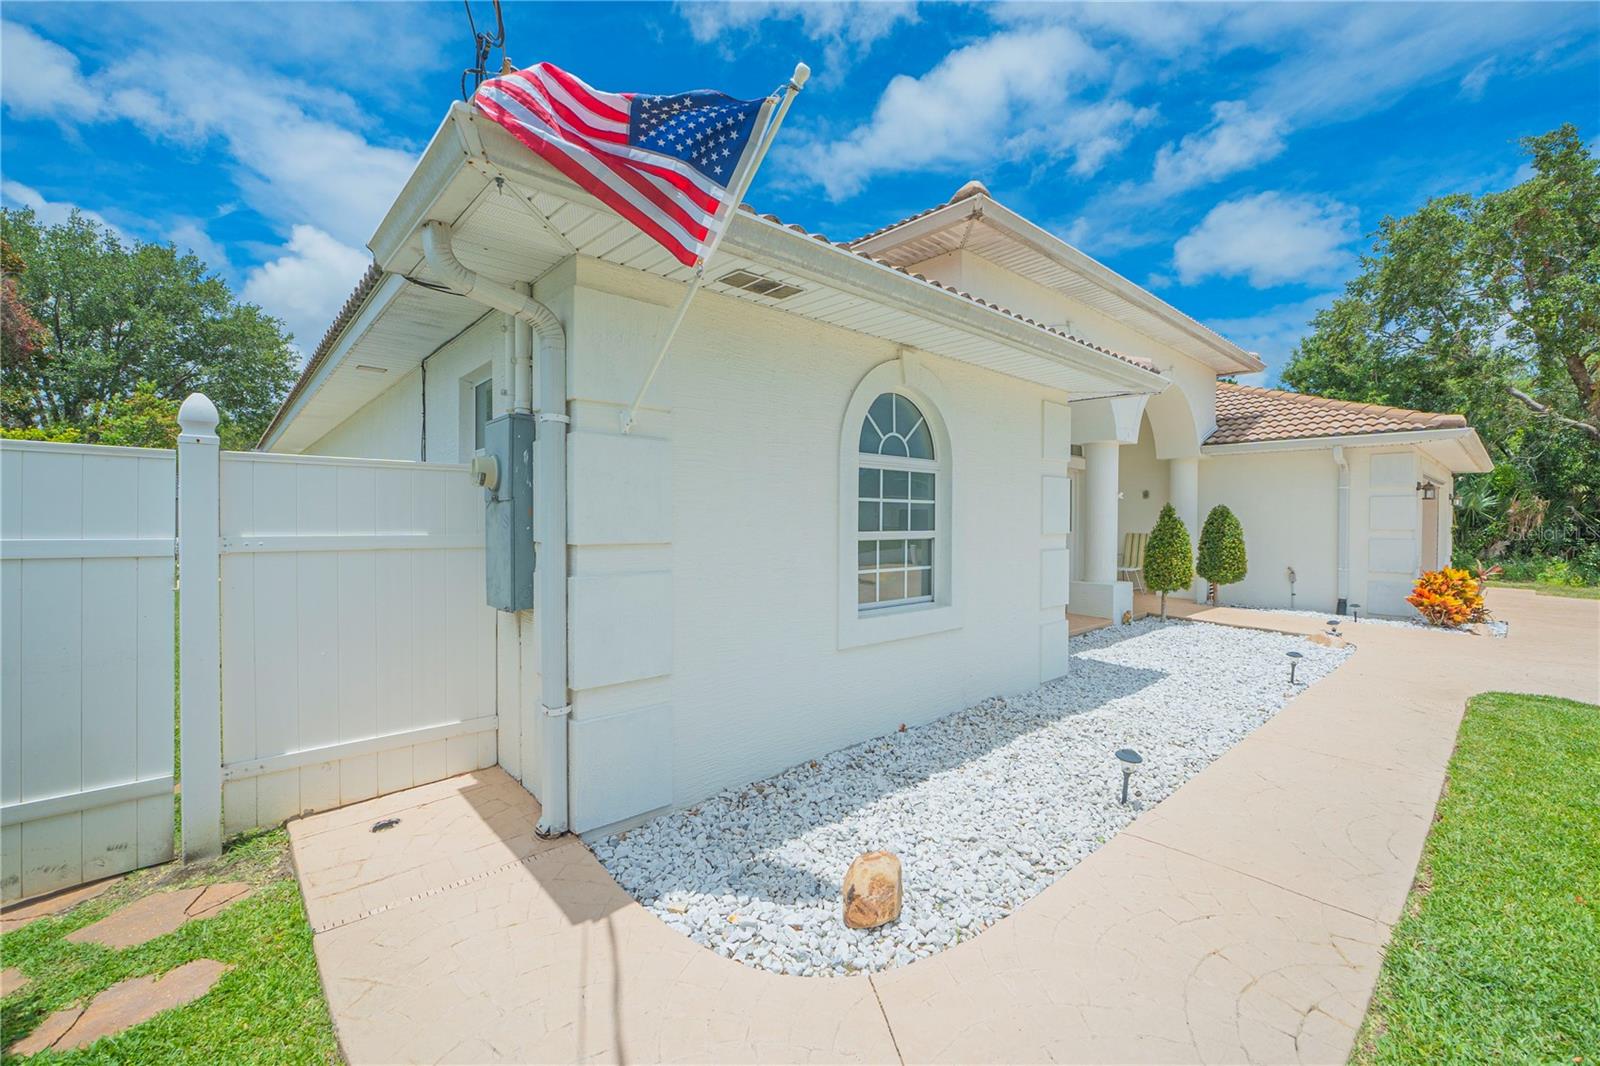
{"x": 549, "y": 498}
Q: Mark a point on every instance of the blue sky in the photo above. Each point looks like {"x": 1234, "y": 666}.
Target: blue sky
{"x": 1230, "y": 157}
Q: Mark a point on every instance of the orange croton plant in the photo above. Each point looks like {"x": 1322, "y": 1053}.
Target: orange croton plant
{"x": 1449, "y": 597}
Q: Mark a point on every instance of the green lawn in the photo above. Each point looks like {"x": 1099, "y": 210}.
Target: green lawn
{"x": 269, "y": 1008}
{"x": 1543, "y": 588}
{"x": 1497, "y": 958}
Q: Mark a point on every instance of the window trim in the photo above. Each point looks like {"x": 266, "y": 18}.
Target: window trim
{"x": 467, "y": 386}
{"x": 874, "y": 624}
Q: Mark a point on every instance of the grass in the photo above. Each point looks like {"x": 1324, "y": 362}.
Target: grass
{"x": 1545, "y": 588}
{"x": 1497, "y": 957}
{"x": 269, "y": 1008}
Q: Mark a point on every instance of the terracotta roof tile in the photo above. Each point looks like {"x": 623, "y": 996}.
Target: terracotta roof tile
{"x": 352, "y": 304}
{"x": 966, "y": 192}
{"x": 1248, "y": 413}
{"x": 1142, "y": 364}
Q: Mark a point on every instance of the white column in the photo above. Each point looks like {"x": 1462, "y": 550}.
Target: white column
{"x": 1183, "y": 491}
{"x": 1100, "y": 521}
{"x": 199, "y": 628}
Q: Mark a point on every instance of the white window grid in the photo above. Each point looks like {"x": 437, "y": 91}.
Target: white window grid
{"x": 894, "y": 566}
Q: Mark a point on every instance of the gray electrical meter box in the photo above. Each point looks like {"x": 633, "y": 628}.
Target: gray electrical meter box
{"x": 505, "y": 470}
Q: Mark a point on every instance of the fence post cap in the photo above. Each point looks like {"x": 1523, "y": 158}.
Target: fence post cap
{"x": 198, "y": 416}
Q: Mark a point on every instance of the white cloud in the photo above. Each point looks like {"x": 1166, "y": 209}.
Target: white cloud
{"x": 40, "y": 79}
{"x": 1270, "y": 239}
{"x": 307, "y": 284}
{"x": 49, "y": 212}
{"x": 1272, "y": 333}
{"x": 292, "y": 164}
{"x": 1001, "y": 99}
{"x": 1237, "y": 138}
{"x": 847, "y": 29}
{"x": 189, "y": 235}
{"x": 1477, "y": 79}
{"x": 292, "y": 153}
{"x": 1339, "y": 62}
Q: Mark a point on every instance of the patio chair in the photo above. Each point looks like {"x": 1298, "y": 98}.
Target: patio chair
{"x": 1131, "y": 566}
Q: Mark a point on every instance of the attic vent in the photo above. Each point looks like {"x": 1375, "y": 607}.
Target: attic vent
{"x": 774, "y": 290}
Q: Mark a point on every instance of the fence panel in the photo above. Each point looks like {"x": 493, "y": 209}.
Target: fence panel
{"x": 358, "y": 655}
{"x": 86, "y": 663}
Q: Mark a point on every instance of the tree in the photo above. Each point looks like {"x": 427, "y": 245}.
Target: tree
{"x": 141, "y": 419}
{"x": 1222, "y": 555}
{"x": 1168, "y": 557}
{"x": 116, "y": 315}
{"x": 21, "y": 334}
{"x": 1490, "y": 306}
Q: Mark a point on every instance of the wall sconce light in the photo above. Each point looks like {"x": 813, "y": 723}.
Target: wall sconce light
{"x": 1429, "y": 490}
{"x": 1131, "y": 761}
{"x": 1294, "y": 661}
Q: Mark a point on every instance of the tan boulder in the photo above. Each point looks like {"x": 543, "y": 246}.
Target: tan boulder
{"x": 872, "y": 890}
{"x": 1328, "y": 640}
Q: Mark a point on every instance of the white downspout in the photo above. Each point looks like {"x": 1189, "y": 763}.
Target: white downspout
{"x": 1341, "y": 530}
{"x": 550, "y": 499}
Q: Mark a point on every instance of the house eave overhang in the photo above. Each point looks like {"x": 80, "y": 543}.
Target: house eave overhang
{"x": 468, "y": 155}
{"x": 1458, "y": 448}
{"x": 1209, "y": 347}
{"x": 371, "y": 308}
{"x": 517, "y": 219}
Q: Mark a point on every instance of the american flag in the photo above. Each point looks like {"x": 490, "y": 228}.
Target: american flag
{"x": 665, "y": 163}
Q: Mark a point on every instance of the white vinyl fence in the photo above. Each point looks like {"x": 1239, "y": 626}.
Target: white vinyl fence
{"x": 334, "y": 645}
{"x": 358, "y": 655}
{"x": 86, "y": 571}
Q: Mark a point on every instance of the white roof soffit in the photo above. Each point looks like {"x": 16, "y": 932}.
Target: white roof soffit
{"x": 538, "y": 218}
{"x": 1011, "y": 241}
{"x": 1457, "y": 448}
{"x": 395, "y": 329}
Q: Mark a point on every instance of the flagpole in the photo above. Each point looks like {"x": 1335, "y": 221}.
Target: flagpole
{"x": 735, "y": 197}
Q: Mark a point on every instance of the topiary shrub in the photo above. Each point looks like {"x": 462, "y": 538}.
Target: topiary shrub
{"x": 1168, "y": 557}
{"x": 1449, "y": 598}
{"x": 1222, "y": 557}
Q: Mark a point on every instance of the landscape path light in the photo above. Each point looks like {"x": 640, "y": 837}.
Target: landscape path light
{"x": 1294, "y": 661}
{"x": 1131, "y": 761}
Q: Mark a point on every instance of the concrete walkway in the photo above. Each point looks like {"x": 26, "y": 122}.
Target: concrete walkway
{"x": 1241, "y": 920}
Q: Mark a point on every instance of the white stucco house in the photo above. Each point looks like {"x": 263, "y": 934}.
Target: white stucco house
{"x": 864, "y": 488}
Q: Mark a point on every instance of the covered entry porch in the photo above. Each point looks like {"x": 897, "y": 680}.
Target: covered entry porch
{"x": 1132, "y": 455}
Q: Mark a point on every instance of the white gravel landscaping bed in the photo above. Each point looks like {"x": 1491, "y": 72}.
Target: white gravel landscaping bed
{"x": 985, "y": 807}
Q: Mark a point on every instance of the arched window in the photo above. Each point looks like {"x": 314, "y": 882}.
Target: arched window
{"x": 896, "y": 506}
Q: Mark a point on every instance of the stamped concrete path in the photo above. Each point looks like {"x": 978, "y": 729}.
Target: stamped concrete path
{"x": 1242, "y": 919}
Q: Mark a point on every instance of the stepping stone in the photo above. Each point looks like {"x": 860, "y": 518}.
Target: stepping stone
{"x": 122, "y": 1006}
{"x": 12, "y": 980}
{"x": 216, "y": 897}
{"x": 18, "y": 915}
{"x": 49, "y": 1031}
{"x": 158, "y": 914}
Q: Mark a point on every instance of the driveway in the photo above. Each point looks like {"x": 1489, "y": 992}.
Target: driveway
{"x": 1243, "y": 919}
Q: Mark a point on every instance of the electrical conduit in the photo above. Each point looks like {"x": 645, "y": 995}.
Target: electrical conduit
{"x": 550, "y": 498}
